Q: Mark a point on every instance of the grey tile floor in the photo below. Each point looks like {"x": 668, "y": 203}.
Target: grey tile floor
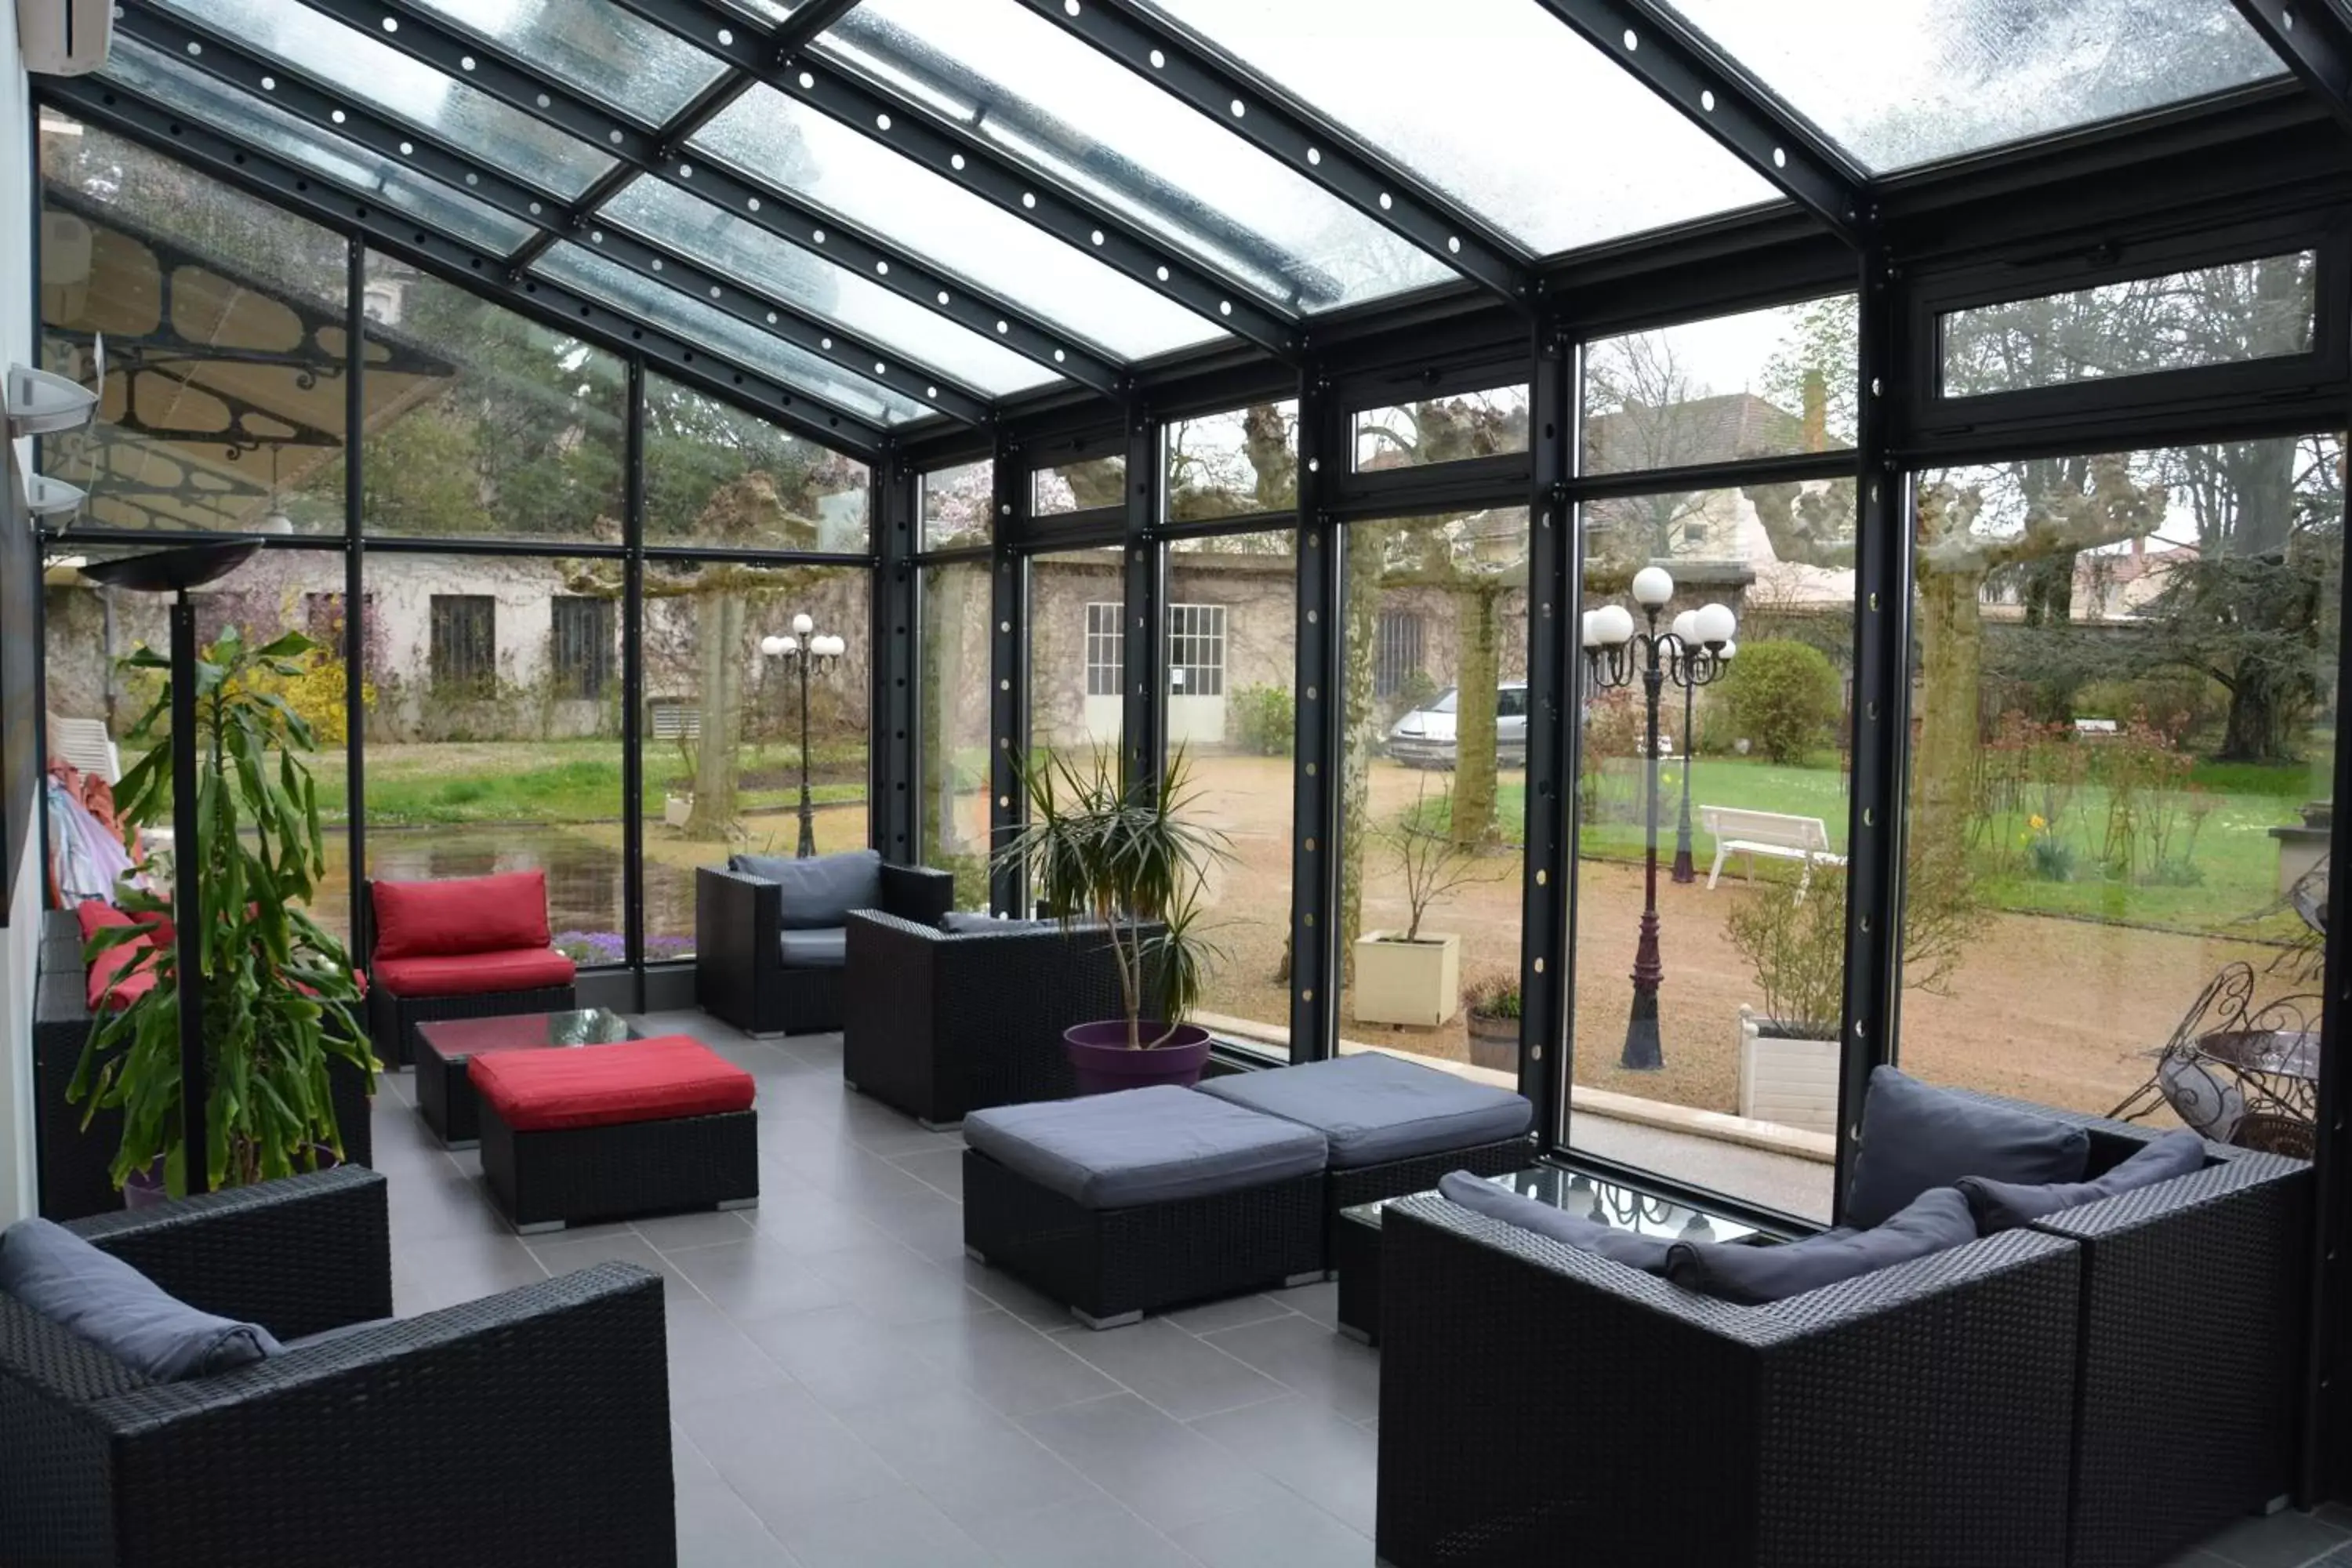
{"x": 849, "y": 1391}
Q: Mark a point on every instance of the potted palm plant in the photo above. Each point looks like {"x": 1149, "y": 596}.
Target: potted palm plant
{"x": 279, "y": 993}
{"x": 1132, "y": 868}
{"x": 1794, "y": 936}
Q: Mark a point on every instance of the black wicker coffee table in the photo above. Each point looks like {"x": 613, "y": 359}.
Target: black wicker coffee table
{"x": 1356, "y": 1241}
{"x": 445, "y": 1096}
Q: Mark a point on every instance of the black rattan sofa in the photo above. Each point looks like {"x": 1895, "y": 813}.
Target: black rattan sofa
{"x": 940, "y": 1023}
{"x": 530, "y": 1427}
{"x": 742, "y": 972}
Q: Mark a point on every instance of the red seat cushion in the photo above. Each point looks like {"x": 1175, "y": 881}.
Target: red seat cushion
{"x": 95, "y": 916}
{"x": 466, "y": 914}
{"x": 474, "y": 973}
{"x": 603, "y": 1086}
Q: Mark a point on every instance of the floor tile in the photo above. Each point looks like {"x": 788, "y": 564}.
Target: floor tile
{"x": 843, "y": 1357}
{"x": 2287, "y": 1540}
{"x": 1012, "y": 1367}
{"x": 708, "y": 1228}
{"x": 560, "y": 1252}
{"x": 1030, "y": 1306}
{"x": 1183, "y": 1374}
{"x": 1319, "y": 1301}
{"x": 973, "y": 1464}
{"x": 938, "y": 1168}
{"x": 782, "y": 1452}
{"x": 897, "y": 1285}
{"x": 1168, "y": 1473}
{"x": 716, "y": 1529}
{"x": 1287, "y": 1533}
{"x": 1312, "y": 1359}
{"x": 898, "y": 1529}
{"x": 710, "y": 1358}
{"x": 1091, "y": 1531}
{"x": 1331, "y": 1462}
{"x": 753, "y": 1280}
{"x": 1211, "y": 1316}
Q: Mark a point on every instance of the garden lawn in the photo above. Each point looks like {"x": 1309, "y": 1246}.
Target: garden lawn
{"x": 563, "y": 781}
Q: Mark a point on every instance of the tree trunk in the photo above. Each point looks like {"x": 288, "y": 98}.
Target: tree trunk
{"x": 1478, "y": 673}
{"x": 942, "y": 646}
{"x": 1366, "y": 546}
{"x": 1951, "y": 661}
{"x": 2259, "y": 699}
{"x": 719, "y": 617}
{"x": 2261, "y": 475}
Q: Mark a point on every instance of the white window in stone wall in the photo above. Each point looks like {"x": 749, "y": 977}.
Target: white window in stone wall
{"x": 1106, "y": 653}
{"x": 1196, "y": 650}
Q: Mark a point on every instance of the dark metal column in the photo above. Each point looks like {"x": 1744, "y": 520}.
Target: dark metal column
{"x": 1008, "y": 675}
{"x": 1547, "y": 979}
{"x": 891, "y": 762}
{"x": 187, "y": 898}
{"x": 1315, "y": 774}
{"x": 1144, "y": 646}
{"x": 633, "y": 684}
{"x": 1882, "y": 645}
{"x": 355, "y": 591}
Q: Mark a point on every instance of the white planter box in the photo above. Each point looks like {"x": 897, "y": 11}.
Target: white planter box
{"x": 1414, "y": 983}
{"x": 1792, "y": 1083}
{"x": 676, "y": 809}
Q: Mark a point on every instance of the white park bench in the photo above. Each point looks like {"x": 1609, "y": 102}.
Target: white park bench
{"x": 1772, "y": 832}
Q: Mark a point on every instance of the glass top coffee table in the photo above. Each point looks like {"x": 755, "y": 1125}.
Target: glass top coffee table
{"x": 1356, "y": 1244}
{"x": 445, "y": 1095}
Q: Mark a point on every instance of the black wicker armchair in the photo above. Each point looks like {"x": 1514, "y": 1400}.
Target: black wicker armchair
{"x": 528, "y": 1428}
{"x": 742, "y": 971}
{"x": 937, "y": 1024}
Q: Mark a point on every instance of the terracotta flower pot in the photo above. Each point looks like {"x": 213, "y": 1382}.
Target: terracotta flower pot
{"x": 1105, "y": 1062}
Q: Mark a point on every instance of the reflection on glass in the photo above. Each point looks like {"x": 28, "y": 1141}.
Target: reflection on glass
{"x": 1433, "y": 794}
{"x": 951, "y": 728}
{"x": 716, "y": 475}
{"x": 824, "y": 292}
{"x": 2214, "y": 315}
{"x": 1082, "y": 484}
{"x": 956, "y": 504}
{"x": 697, "y": 322}
{"x": 1442, "y": 429}
{"x": 1478, "y": 97}
{"x": 767, "y": 136}
{"x": 1077, "y": 654}
{"x": 596, "y": 47}
{"x": 391, "y": 83}
{"x": 1231, "y": 664}
{"x": 1055, "y": 105}
{"x": 522, "y": 434}
{"x": 1753, "y": 964}
{"x": 357, "y": 168}
{"x": 1767, "y": 383}
{"x": 1235, "y": 464}
{"x": 2125, "y": 671}
{"x": 1908, "y": 82}
{"x": 226, "y": 414}
{"x": 723, "y": 723}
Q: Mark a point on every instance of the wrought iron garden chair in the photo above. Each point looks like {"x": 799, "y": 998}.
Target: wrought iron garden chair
{"x": 2239, "y": 1070}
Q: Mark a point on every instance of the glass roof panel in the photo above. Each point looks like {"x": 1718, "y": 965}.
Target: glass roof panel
{"x": 1899, "y": 82}
{"x": 684, "y": 316}
{"x": 239, "y": 113}
{"x": 596, "y": 47}
{"x": 1490, "y": 101}
{"x": 820, "y": 289}
{"x": 1054, "y": 104}
{"x": 767, "y": 135}
{"x": 769, "y": 11}
{"x": 388, "y": 82}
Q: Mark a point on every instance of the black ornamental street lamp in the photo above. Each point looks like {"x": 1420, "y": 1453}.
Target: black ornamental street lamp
{"x": 1614, "y": 652}
{"x": 1686, "y": 629}
{"x": 805, "y": 650}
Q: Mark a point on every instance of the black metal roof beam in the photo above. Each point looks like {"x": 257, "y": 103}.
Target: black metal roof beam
{"x": 294, "y": 92}
{"x": 1678, "y": 66}
{"x": 264, "y": 174}
{"x": 950, "y": 151}
{"x": 1312, "y": 145}
{"x": 521, "y": 85}
{"x": 2315, "y": 41}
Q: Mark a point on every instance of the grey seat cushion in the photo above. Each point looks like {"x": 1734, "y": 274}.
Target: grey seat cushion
{"x": 1142, "y": 1146}
{"x": 105, "y": 1301}
{"x": 814, "y": 949}
{"x": 2005, "y": 1206}
{"x": 1915, "y": 1137}
{"x": 820, "y": 891}
{"x": 1376, "y": 1107}
{"x": 1738, "y": 1271}
{"x": 1647, "y": 1253}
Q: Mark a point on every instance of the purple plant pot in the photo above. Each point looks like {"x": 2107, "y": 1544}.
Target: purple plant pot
{"x": 1104, "y": 1063}
{"x": 144, "y": 1189}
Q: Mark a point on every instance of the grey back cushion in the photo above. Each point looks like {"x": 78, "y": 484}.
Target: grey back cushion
{"x": 820, "y": 891}
{"x": 1915, "y": 1137}
{"x": 1738, "y": 1271}
{"x": 2005, "y": 1206}
{"x": 1647, "y": 1253}
{"x": 105, "y": 1301}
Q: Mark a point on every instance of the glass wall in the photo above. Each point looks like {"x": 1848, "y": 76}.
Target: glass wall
{"x": 1239, "y": 463}
{"x": 2124, "y": 683}
{"x": 951, "y": 727}
{"x": 956, "y": 503}
{"x": 716, "y": 475}
{"x": 1442, "y": 429}
{"x": 1077, "y": 655}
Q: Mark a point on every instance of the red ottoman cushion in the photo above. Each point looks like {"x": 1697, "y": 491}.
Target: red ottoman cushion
{"x": 603, "y": 1086}
{"x": 466, "y": 914}
{"x": 472, "y": 973}
{"x": 95, "y": 916}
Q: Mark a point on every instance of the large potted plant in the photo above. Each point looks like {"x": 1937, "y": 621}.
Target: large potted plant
{"x": 279, "y": 994}
{"x": 1492, "y": 1019}
{"x": 1132, "y": 868}
{"x": 1413, "y": 977}
{"x": 1794, "y": 936}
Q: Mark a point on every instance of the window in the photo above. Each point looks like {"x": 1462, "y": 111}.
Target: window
{"x": 1240, "y": 463}
{"x": 1442, "y": 430}
{"x": 1106, "y": 654}
{"x": 580, "y": 651}
{"x": 1765, "y": 383}
{"x": 952, "y": 726}
{"x": 717, "y": 475}
{"x": 1196, "y": 650}
{"x": 1083, "y": 484}
{"x": 465, "y": 644}
{"x": 1397, "y": 656}
{"x": 956, "y": 503}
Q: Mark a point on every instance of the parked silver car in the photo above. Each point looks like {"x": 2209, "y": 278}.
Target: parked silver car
{"x": 1425, "y": 736}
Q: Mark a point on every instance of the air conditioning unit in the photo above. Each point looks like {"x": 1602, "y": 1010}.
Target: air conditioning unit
{"x": 64, "y": 37}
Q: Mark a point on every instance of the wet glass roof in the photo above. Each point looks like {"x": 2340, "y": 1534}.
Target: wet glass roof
{"x": 1083, "y": 192}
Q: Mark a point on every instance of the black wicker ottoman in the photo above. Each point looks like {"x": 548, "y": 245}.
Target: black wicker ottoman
{"x": 634, "y": 1128}
{"x": 1120, "y": 1204}
{"x": 1395, "y": 1126}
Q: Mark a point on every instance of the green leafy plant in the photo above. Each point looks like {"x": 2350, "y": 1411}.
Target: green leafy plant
{"x": 1494, "y": 996}
{"x": 1433, "y": 863}
{"x": 1091, "y": 851}
{"x": 1792, "y": 936}
{"x": 1264, "y": 720}
{"x": 1784, "y": 696}
{"x": 279, "y": 997}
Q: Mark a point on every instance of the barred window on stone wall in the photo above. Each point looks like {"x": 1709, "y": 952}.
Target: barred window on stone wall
{"x": 465, "y": 643}
{"x": 580, "y": 656}
{"x": 1196, "y": 650}
{"x": 1106, "y": 656}
{"x": 1397, "y": 658}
